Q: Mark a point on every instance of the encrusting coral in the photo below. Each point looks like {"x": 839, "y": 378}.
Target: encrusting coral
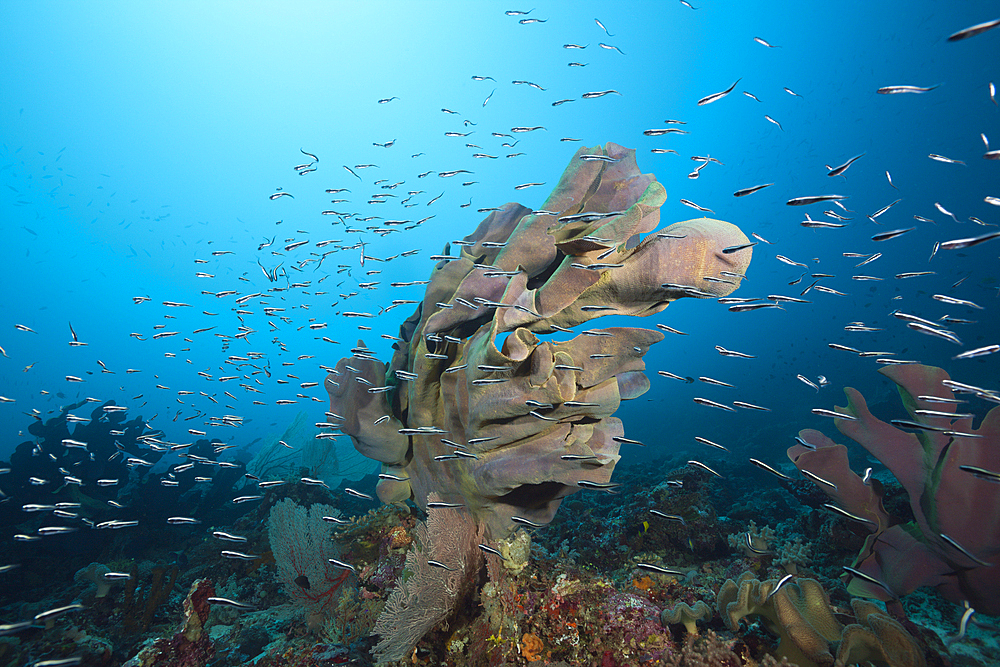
{"x": 476, "y": 405}
{"x": 799, "y": 613}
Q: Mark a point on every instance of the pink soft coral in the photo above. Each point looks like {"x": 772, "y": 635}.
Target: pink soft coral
{"x": 954, "y": 542}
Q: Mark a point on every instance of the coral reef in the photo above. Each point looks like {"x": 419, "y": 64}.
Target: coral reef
{"x": 945, "y": 466}
{"x": 792, "y": 555}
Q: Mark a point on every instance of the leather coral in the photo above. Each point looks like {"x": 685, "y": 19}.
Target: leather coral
{"x": 810, "y": 635}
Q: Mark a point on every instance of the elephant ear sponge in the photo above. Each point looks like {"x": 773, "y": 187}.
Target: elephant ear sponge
{"x": 799, "y": 613}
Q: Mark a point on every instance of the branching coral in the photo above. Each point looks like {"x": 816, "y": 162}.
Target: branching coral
{"x": 954, "y": 543}
{"x": 754, "y": 542}
{"x": 792, "y": 555}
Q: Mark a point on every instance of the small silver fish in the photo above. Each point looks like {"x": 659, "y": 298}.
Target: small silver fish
{"x": 341, "y": 564}
{"x": 805, "y": 201}
{"x": 981, "y": 473}
{"x": 872, "y": 580}
{"x": 749, "y": 191}
{"x": 978, "y": 352}
{"x": 656, "y": 568}
{"x": 706, "y": 441}
{"x": 672, "y": 517}
{"x": 526, "y": 522}
{"x": 958, "y": 547}
{"x": 764, "y": 466}
{"x": 690, "y": 203}
{"x": 784, "y": 580}
{"x": 699, "y": 464}
{"x": 661, "y": 132}
{"x": 934, "y": 331}
{"x": 220, "y": 535}
{"x": 230, "y": 603}
{"x": 712, "y": 404}
{"x": 822, "y": 412}
{"x": 490, "y": 550}
{"x": 972, "y": 31}
{"x": 893, "y": 90}
{"x": 958, "y": 244}
{"x": 845, "y": 513}
{"x": 819, "y": 480}
{"x": 715, "y": 97}
{"x": 837, "y": 171}
{"x": 750, "y": 406}
{"x": 950, "y": 300}
{"x": 946, "y": 160}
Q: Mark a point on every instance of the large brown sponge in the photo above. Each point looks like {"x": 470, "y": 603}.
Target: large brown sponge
{"x": 474, "y": 370}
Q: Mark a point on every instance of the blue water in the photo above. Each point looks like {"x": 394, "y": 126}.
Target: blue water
{"x": 136, "y": 138}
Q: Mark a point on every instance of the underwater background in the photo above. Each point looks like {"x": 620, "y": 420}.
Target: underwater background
{"x": 162, "y": 162}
